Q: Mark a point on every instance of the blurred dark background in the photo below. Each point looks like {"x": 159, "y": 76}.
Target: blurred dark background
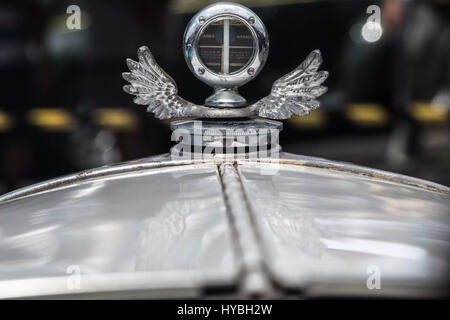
{"x": 62, "y": 108}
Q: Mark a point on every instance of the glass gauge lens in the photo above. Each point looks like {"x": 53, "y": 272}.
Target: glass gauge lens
{"x": 226, "y": 45}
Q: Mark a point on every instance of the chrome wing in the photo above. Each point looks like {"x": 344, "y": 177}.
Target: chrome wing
{"x": 296, "y": 92}
{"x": 153, "y": 87}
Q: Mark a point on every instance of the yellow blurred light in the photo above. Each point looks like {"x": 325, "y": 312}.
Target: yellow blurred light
{"x": 315, "y": 119}
{"x": 116, "y": 118}
{"x": 367, "y": 114}
{"x": 51, "y": 119}
{"x": 427, "y": 112}
{"x": 6, "y": 122}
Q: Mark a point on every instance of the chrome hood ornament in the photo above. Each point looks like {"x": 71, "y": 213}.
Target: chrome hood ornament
{"x": 225, "y": 45}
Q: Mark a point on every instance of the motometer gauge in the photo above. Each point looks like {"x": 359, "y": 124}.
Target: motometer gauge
{"x": 225, "y": 45}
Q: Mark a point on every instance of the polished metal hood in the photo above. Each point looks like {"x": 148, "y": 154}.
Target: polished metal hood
{"x": 158, "y": 228}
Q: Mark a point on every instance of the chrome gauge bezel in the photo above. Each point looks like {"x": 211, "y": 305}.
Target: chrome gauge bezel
{"x": 206, "y": 16}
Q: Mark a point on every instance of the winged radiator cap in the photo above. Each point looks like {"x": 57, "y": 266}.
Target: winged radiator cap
{"x": 226, "y": 45}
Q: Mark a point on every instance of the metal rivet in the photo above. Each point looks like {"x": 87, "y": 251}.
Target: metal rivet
{"x": 251, "y": 20}
{"x": 201, "y": 70}
{"x": 201, "y": 20}
{"x": 251, "y": 71}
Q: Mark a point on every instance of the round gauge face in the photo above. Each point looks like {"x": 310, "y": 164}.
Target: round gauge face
{"x": 226, "y": 45}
